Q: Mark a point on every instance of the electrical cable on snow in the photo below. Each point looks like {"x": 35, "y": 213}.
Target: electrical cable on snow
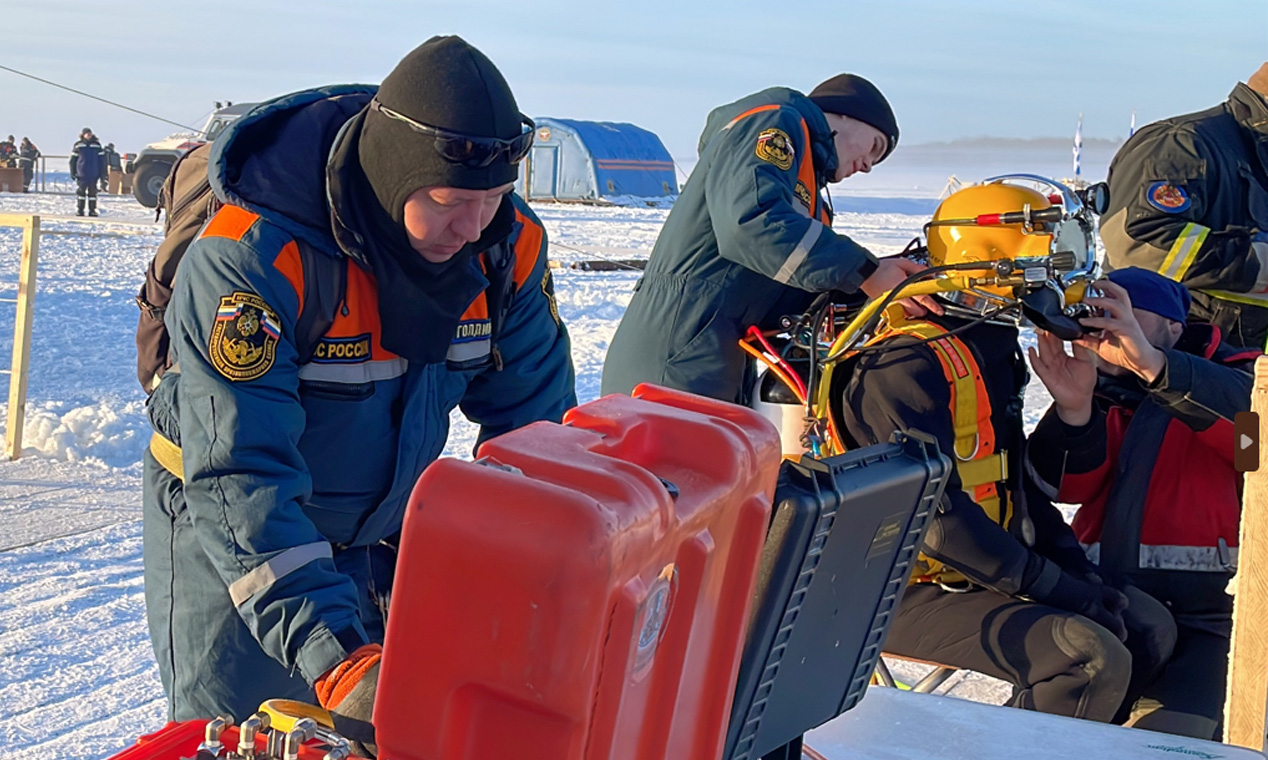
{"x": 103, "y": 100}
{"x": 617, "y": 262}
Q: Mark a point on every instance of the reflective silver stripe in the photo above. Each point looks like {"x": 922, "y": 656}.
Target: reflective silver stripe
{"x": 799, "y": 253}
{"x": 1183, "y": 251}
{"x": 1196, "y": 558}
{"x": 1261, "y": 252}
{"x": 277, "y": 568}
{"x": 364, "y": 372}
{"x": 465, "y": 352}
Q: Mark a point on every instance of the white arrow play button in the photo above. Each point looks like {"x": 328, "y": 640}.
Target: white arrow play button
{"x": 1246, "y": 442}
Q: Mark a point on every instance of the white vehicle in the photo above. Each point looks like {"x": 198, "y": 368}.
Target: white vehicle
{"x": 155, "y": 160}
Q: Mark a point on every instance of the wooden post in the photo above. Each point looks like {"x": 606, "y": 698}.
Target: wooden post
{"x": 1247, "y": 700}
{"x": 22, "y": 337}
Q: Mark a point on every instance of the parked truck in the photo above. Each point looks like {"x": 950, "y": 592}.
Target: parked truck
{"x": 155, "y": 160}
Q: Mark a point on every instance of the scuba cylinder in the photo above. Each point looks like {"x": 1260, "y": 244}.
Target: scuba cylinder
{"x": 779, "y": 405}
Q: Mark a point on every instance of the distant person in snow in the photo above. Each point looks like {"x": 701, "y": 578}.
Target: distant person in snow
{"x": 87, "y": 169}
{"x": 1140, "y": 434}
{"x": 8, "y": 152}
{"x": 1189, "y": 200}
{"x": 114, "y": 162}
{"x": 750, "y": 238}
{"x": 370, "y": 271}
{"x": 27, "y": 156}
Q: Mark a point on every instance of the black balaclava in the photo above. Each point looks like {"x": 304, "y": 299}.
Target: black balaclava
{"x": 448, "y": 84}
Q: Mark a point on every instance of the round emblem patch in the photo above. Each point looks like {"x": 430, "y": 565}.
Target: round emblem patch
{"x": 774, "y": 146}
{"x": 243, "y": 343}
{"x": 652, "y": 615}
{"x": 1168, "y": 198}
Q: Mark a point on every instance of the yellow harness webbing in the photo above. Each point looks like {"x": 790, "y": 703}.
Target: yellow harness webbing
{"x": 168, "y": 455}
{"x": 979, "y": 464}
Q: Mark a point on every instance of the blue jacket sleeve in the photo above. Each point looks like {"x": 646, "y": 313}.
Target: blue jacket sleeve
{"x": 245, "y": 480}
{"x": 1202, "y": 393}
{"x": 536, "y": 381}
{"x": 760, "y": 224}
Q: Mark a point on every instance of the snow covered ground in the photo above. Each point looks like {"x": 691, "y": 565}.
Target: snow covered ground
{"x": 79, "y": 679}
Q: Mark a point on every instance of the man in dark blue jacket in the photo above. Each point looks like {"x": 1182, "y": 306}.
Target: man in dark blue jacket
{"x": 1189, "y": 200}
{"x": 87, "y": 169}
{"x": 750, "y": 239}
{"x": 282, "y": 460}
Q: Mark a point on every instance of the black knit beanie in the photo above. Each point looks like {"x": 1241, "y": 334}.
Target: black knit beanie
{"x": 853, "y": 96}
{"x": 448, "y": 84}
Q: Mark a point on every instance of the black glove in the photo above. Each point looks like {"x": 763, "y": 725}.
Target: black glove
{"x": 1098, "y": 602}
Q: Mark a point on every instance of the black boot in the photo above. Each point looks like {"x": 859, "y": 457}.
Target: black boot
{"x": 79, "y": 210}
{"x": 92, "y": 207}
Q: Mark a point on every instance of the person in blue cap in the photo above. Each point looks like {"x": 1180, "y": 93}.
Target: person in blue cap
{"x": 1140, "y": 436}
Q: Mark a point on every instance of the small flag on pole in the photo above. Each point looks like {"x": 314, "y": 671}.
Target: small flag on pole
{"x": 1132, "y": 131}
{"x": 1078, "y": 146}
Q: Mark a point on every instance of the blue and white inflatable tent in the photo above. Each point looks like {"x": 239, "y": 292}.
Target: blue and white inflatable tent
{"x": 574, "y": 160}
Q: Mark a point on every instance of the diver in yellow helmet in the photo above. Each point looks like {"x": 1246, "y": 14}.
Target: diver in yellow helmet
{"x": 985, "y": 596}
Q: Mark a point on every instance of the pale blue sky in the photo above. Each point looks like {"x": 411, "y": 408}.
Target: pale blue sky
{"x": 950, "y": 69}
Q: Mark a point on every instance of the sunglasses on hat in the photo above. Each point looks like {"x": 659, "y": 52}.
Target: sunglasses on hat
{"x": 467, "y": 150}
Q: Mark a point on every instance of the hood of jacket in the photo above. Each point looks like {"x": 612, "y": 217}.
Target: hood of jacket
{"x": 274, "y": 160}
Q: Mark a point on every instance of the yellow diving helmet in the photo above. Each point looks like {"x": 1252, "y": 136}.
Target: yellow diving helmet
{"x": 968, "y": 226}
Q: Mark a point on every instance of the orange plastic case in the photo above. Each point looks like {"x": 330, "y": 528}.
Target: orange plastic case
{"x": 582, "y": 591}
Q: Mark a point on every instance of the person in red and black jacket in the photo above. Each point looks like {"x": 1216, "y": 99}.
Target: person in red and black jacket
{"x": 1145, "y": 446}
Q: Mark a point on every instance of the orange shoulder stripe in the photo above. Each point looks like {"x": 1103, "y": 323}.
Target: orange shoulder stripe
{"x": 527, "y": 248}
{"x": 230, "y": 222}
{"x": 806, "y": 171}
{"x": 291, "y": 266}
{"x": 750, "y": 112}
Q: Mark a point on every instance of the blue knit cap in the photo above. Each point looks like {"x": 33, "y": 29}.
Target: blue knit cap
{"x": 1154, "y": 293}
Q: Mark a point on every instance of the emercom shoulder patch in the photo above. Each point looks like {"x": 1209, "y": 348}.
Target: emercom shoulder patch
{"x": 548, "y": 287}
{"x": 774, "y": 146}
{"x": 1168, "y": 198}
{"x": 243, "y": 343}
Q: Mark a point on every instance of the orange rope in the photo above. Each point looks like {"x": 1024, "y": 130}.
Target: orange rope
{"x": 755, "y": 334}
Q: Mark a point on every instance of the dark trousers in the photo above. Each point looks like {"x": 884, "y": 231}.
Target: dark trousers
{"x": 1057, "y": 661}
{"x": 28, "y": 173}
{"x": 87, "y": 190}
{"x": 1187, "y": 698}
{"x": 1240, "y": 324}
